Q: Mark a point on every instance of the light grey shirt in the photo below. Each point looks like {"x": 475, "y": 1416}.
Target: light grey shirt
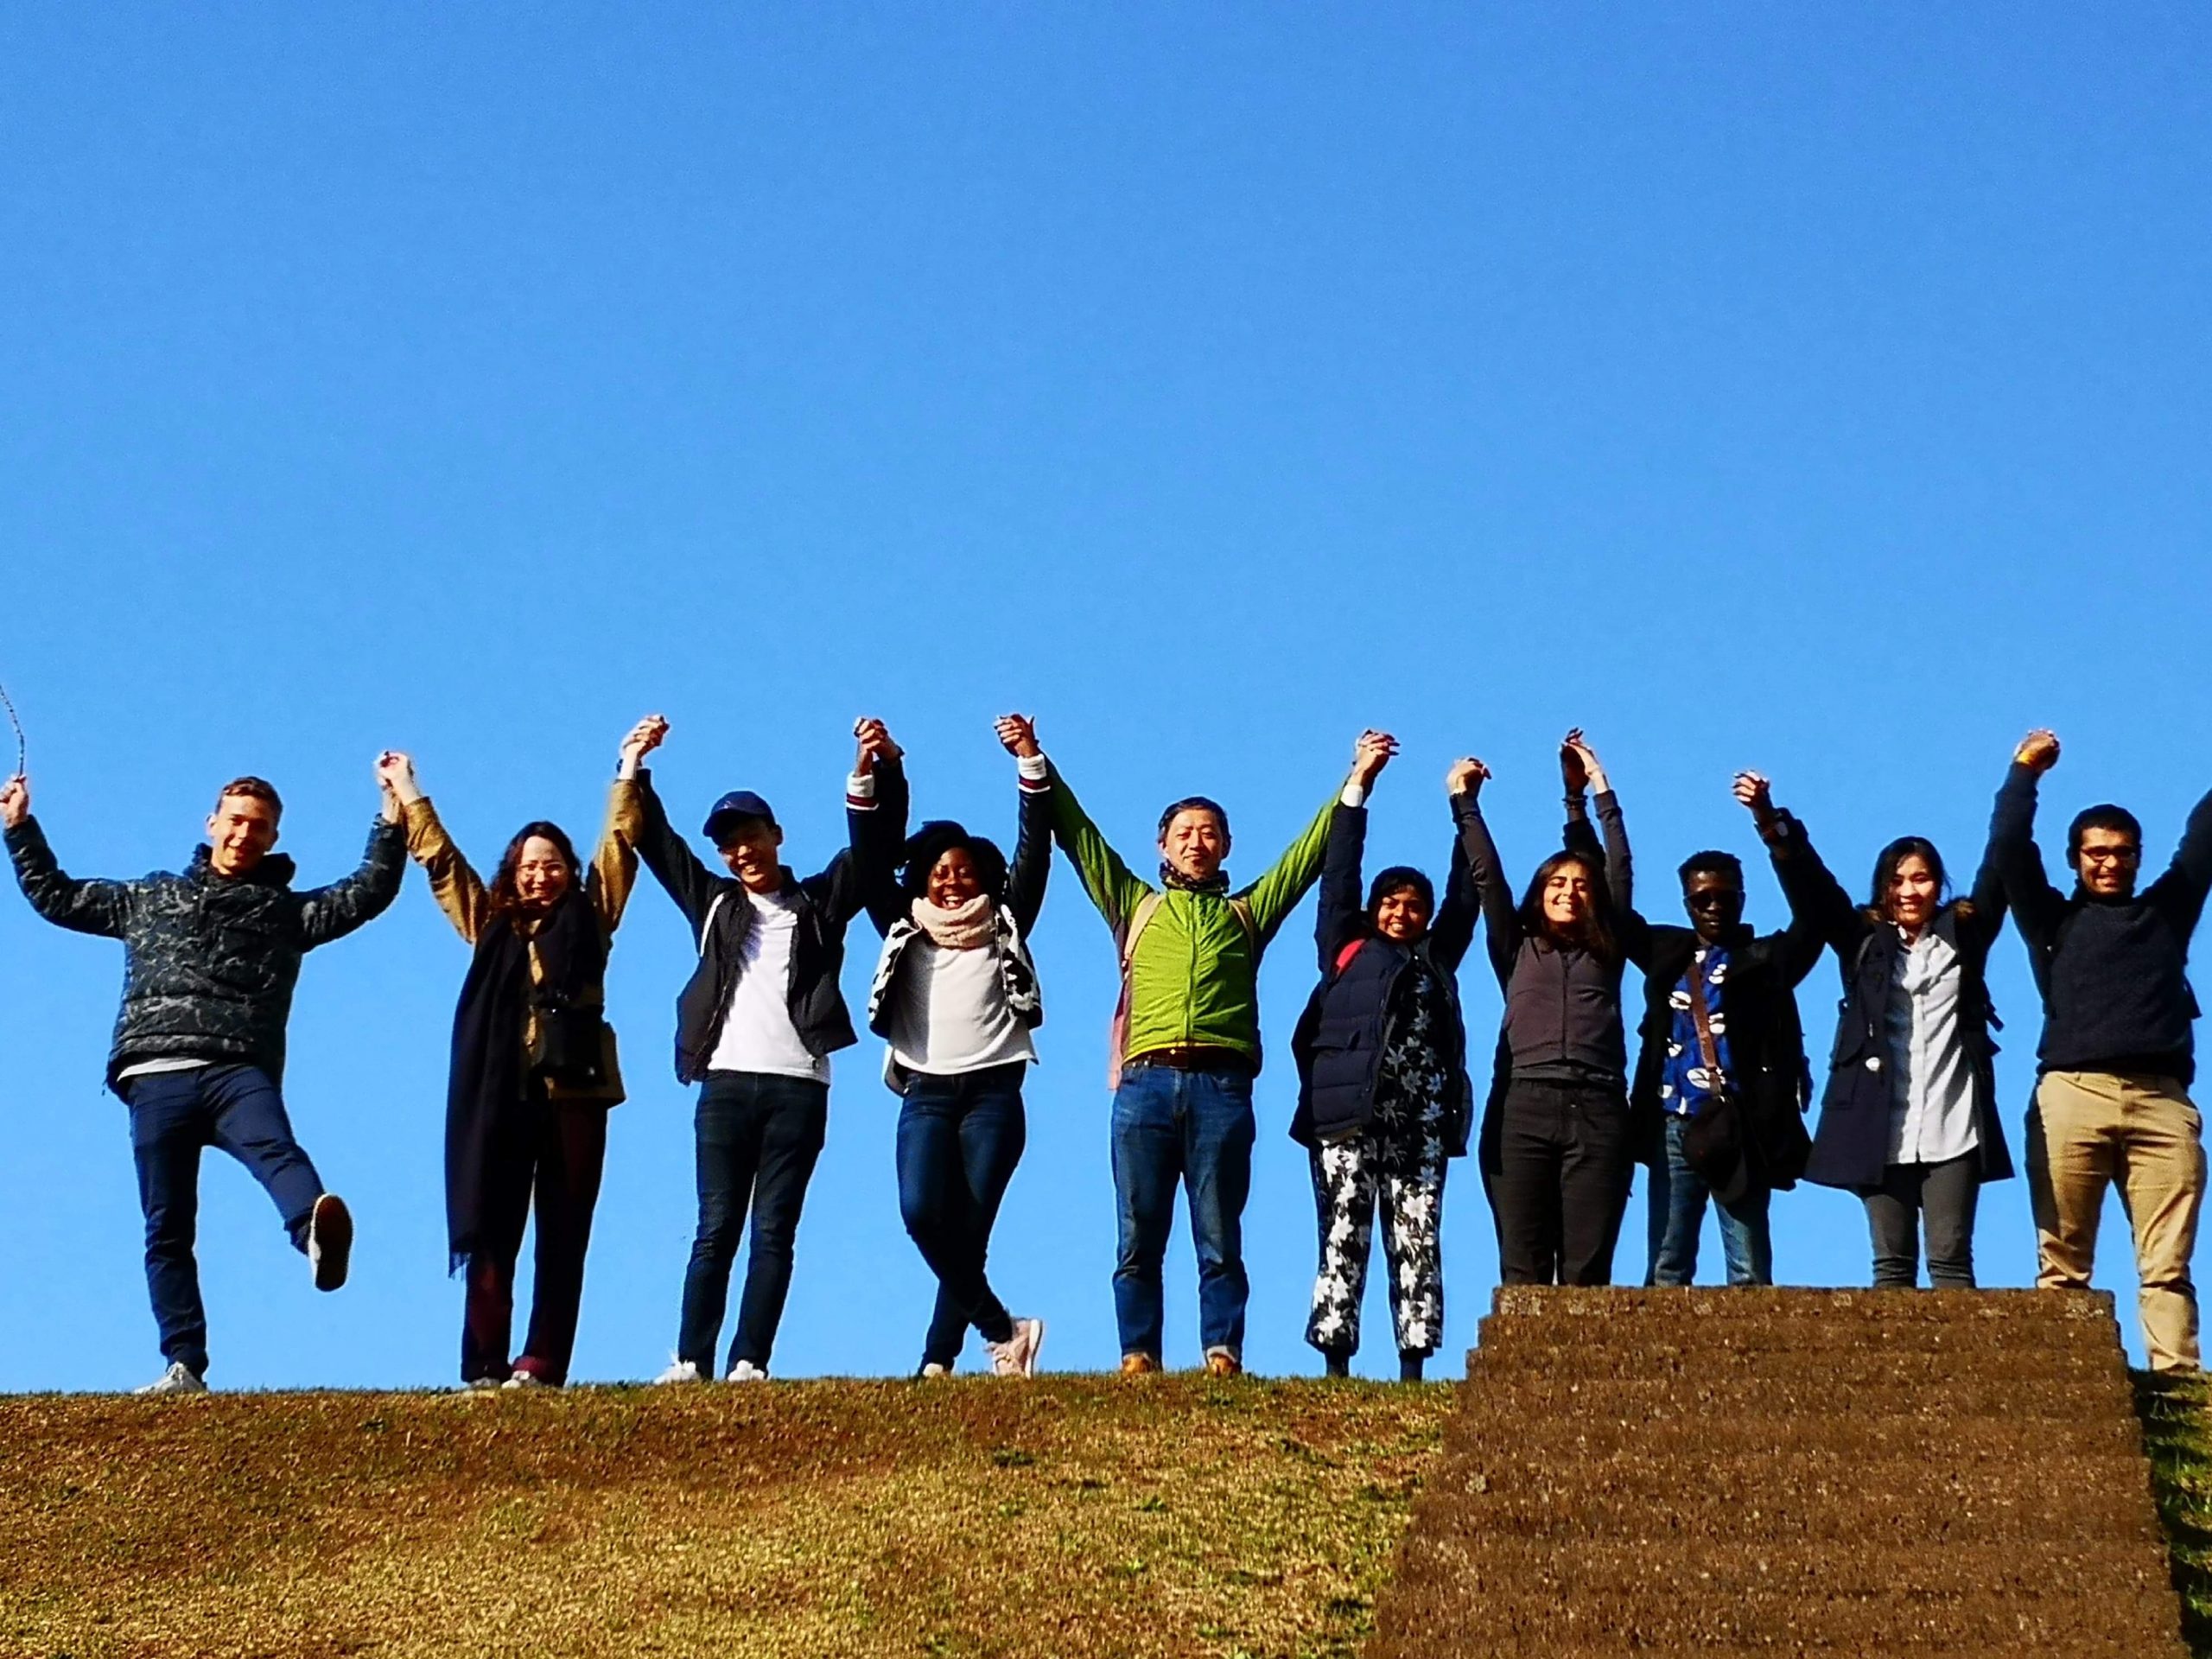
{"x": 1931, "y": 1079}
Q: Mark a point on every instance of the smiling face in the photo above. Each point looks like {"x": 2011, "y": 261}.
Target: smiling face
{"x": 1401, "y": 917}
{"x": 1196, "y": 844}
{"x": 2107, "y": 863}
{"x": 542, "y": 874}
{"x": 1915, "y": 890}
{"x": 749, "y": 846}
{"x": 953, "y": 879}
{"x": 1715, "y": 902}
{"x": 240, "y": 831}
{"x": 1567, "y": 897}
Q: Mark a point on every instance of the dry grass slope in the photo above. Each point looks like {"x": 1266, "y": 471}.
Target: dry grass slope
{"x": 1073, "y": 1516}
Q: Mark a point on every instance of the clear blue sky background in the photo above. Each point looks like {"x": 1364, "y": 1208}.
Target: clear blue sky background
{"x": 1823, "y": 394}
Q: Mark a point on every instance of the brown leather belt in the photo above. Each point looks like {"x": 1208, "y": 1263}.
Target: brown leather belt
{"x": 1194, "y": 1057}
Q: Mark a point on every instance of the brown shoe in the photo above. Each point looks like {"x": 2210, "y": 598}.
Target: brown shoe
{"x": 1139, "y": 1365}
{"x": 1223, "y": 1364}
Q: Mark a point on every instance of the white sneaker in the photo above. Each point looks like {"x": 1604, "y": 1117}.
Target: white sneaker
{"x": 482, "y": 1385}
{"x": 525, "y": 1380}
{"x": 746, "y": 1371}
{"x": 932, "y": 1371}
{"x": 682, "y": 1370}
{"x": 330, "y": 1241}
{"x": 1017, "y": 1355}
{"x": 180, "y": 1379}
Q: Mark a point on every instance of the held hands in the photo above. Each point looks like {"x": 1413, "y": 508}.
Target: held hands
{"x": 1369, "y": 755}
{"x": 1467, "y": 778}
{"x": 15, "y": 801}
{"x": 1753, "y": 790}
{"x": 1019, "y": 734}
{"x": 876, "y": 745}
{"x": 645, "y": 737}
{"x": 1575, "y": 756}
{"x": 396, "y": 778}
{"x": 2038, "y": 751}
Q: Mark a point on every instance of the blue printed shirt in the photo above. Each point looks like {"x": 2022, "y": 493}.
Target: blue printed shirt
{"x": 1684, "y": 1084}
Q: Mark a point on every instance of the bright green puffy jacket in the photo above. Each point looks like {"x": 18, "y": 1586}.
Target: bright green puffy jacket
{"x": 1195, "y": 976}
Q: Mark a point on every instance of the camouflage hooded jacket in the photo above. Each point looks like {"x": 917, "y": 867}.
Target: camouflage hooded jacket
{"x": 210, "y": 961}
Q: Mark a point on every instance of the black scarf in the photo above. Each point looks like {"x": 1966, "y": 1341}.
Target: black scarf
{"x": 487, "y": 1093}
{"x": 1174, "y": 878}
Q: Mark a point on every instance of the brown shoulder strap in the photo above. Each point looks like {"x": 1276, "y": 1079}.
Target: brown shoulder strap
{"x": 1701, "y": 1017}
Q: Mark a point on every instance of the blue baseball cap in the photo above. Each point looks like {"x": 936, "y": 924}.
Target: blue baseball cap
{"x": 738, "y": 803}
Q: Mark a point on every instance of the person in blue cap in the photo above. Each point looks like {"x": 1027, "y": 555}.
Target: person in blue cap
{"x": 755, "y": 1028}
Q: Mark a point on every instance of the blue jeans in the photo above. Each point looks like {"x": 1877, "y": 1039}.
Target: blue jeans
{"x": 173, "y": 1115}
{"x": 1678, "y": 1200}
{"x": 959, "y": 1139}
{"x": 1195, "y": 1126}
{"x": 757, "y": 1137}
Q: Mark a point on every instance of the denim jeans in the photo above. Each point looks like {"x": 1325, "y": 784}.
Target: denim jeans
{"x": 959, "y": 1139}
{"x": 1195, "y": 1126}
{"x": 1678, "y": 1200}
{"x": 1942, "y": 1197}
{"x": 174, "y": 1113}
{"x": 757, "y": 1137}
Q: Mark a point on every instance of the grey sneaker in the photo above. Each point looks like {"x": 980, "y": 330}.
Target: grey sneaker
{"x": 746, "y": 1371}
{"x": 1017, "y": 1355}
{"x": 180, "y": 1379}
{"x": 679, "y": 1371}
{"x": 330, "y": 1241}
{"x": 482, "y": 1385}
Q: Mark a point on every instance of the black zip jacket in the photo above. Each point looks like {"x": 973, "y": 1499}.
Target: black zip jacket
{"x": 1347, "y": 1022}
{"x": 1851, "y": 1148}
{"x": 720, "y": 911}
{"x": 210, "y": 962}
{"x": 2114, "y": 973}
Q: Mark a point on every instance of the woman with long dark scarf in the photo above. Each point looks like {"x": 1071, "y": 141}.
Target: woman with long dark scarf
{"x": 956, "y": 998}
{"x": 534, "y": 1068}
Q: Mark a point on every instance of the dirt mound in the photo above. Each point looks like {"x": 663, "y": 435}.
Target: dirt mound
{"x": 1731, "y": 1471}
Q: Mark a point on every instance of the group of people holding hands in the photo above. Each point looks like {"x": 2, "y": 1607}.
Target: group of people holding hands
{"x": 1714, "y": 1105}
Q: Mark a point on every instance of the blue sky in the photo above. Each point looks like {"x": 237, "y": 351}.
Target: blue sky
{"x": 1826, "y": 394}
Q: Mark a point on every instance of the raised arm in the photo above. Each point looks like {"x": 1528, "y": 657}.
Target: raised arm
{"x": 875, "y": 823}
{"x": 2180, "y": 892}
{"x": 1634, "y": 932}
{"x": 679, "y": 869}
{"x": 453, "y": 882}
{"x": 331, "y": 912}
{"x": 1341, "y": 913}
{"x": 1814, "y": 919}
{"x": 1032, "y": 843}
{"x": 1579, "y": 835}
{"x": 1452, "y": 932}
{"x": 2037, "y": 906}
{"x": 1483, "y": 872}
{"x": 96, "y": 907}
{"x": 613, "y": 873}
{"x": 1113, "y": 889}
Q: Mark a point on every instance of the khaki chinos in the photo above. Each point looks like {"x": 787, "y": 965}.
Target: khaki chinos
{"x": 2093, "y": 1129}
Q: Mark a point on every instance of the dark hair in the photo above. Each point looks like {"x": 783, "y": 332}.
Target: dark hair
{"x": 1396, "y": 878}
{"x": 254, "y": 788}
{"x": 2106, "y": 816}
{"x": 1710, "y": 862}
{"x": 932, "y": 841}
{"x": 504, "y": 897}
{"x": 1886, "y": 872}
{"x": 1597, "y": 936}
{"x": 1193, "y": 803}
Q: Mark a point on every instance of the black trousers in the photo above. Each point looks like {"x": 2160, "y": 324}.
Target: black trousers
{"x": 1944, "y": 1197}
{"x": 1562, "y": 1181}
{"x": 552, "y": 1162}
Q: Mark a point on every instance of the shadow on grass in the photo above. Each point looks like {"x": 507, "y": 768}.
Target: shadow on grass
{"x": 2177, "y": 1417}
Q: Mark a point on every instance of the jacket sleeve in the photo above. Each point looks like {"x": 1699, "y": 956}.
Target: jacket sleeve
{"x": 1578, "y": 834}
{"x": 2180, "y": 892}
{"x": 1276, "y": 894}
{"x": 1810, "y": 887}
{"x": 1635, "y": 933}
{"x": 674, "y": 865}
{"x": 1453, "y": 930}
{"x": 1338, "y": 919}
{"x": 331, "y": 912}
{"x": 877, "y": 838}
{"x": 1500, "y": 919}
{"x": 1797, "y": 948}
{"x": 1112, "y": 888}
{"x": 1986, "y": 920}
{"x": 97, "y": 907}
{"x": 613, "y": 873}
{"x": 2037, "y": 905}
{"x": 453, "y": 883}
{"x": 1033, "y": 852}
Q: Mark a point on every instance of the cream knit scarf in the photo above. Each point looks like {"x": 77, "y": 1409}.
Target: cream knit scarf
{"x": 969, "y": 927}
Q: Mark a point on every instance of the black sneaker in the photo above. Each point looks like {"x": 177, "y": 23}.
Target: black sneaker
{"x": 330, "y": 1241}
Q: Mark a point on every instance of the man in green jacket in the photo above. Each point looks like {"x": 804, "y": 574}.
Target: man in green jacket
{"x": 1187, "y": 1047}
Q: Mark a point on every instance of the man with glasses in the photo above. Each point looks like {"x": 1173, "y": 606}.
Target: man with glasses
{"x": 2117, "y": 1054}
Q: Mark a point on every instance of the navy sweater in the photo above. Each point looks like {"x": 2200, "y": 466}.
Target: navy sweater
{"x": 2114, "y": 973}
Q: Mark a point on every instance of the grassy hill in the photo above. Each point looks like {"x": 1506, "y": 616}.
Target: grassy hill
{"x": 1072, "y": 1516}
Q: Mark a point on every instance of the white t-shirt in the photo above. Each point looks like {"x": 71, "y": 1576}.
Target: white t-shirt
{"x": 757, "y": 1032}
{"x": 949, "y": 1012}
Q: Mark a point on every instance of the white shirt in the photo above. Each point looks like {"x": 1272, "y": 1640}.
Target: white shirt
{"x": 757, "y": 1032}
{"x": 1931, "y": 1111}
{"x": 949, "y": 1012}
